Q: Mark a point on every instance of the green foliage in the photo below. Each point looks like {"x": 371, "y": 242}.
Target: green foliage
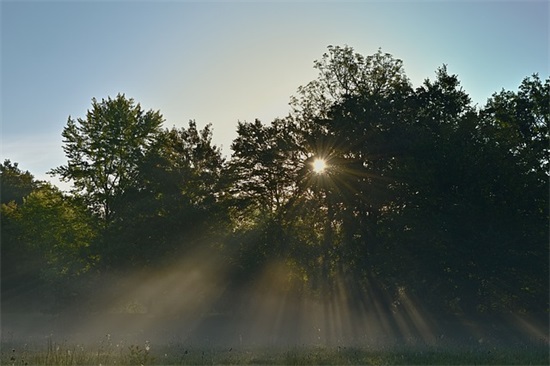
{"x": 45, "y": 246}
{"x": 344, "y": 73}
{"x": 264, "y": 165}
{"x": 19, "y": 265}
{"x": 60, "y": 230}
{"x": 423, "y": 192}
{"x": 176, "y": 199}
{"x": 48, "y": 243}
{"x": 14, "y": 183}
{"x": 103, "y": 150}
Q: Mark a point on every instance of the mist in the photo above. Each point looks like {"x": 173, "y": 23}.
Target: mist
{"x": 192, "y": 302}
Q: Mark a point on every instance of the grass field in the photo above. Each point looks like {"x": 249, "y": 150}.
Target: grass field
{"x": 105, "y": 352}
{"x": 119, "y": 339}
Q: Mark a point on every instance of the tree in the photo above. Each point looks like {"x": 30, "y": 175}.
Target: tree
{"x": 344, "y": 73}
{"x": 419, "y": 196}
{"x": 45, "y": 248}
{"x": 433, "y": 225}
{"x": 471, "y": 203}
{"x": 264, "y": 164}
{"x": 353, "y": 115}
{"x": 263, "y": 173}
{"x": 177, "y": 197}
{"x": 516, "y": 125}
{"x": 521, "y": 120}
{"x": 104, "y": 150}
{"x": 14, "y": 183}
{"x": 60, "y": 229}
{"x": 19, "y": 269}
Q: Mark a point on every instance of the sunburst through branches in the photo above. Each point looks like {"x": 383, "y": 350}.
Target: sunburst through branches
{"x": 319, "y": 166}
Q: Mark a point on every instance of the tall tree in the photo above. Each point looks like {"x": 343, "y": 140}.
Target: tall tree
{"x": 177, "y": 198}
{"x": 104, "y": 149}
{"x": 263, "y": 173}
{"x": 264, "y": 164}
{"x": 516, "y": 125}
{"x": 344, "y": 73}
{"x": 349, "y": 116}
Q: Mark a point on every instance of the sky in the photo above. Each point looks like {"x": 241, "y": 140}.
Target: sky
{"x": 221, "y": 62}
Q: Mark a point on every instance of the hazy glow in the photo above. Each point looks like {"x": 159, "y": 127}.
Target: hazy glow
{"x": 190, "y": 303}
{"x": 319, "y": 166}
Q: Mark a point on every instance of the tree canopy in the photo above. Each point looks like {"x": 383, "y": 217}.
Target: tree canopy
{"x": 422, "y": 192}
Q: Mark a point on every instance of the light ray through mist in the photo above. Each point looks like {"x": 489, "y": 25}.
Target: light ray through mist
{"x": 190, "y": 302}
{"x": 154, "y": 302}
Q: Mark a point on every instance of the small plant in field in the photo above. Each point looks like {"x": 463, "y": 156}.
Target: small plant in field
{"x": 140, "y": 356}
{"x": 16, "y": 359}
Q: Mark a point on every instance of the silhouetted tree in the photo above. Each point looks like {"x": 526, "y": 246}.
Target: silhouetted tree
{"x": 14, "y": 183}
{"x": 263, "y": 173}
{"x": 348, "y": 116}
{"x": 177, "y": 197}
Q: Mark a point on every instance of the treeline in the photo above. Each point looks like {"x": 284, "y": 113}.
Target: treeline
{"x": 423, "y": 192}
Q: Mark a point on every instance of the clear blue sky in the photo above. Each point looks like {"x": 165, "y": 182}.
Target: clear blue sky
{"x": 221, "y": 62}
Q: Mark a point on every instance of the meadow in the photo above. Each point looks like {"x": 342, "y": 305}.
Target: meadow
{"x": 139, "y": 339}
{"x": 107, "y": 351}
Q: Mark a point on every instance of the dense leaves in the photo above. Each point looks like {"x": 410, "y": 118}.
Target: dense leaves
{"x": 15, "y": 184}
{"x": 45, "y": 246}
{"x": 174, "y": 202}
{"x": 423, "y": 193}
{"x": 103, "y": 150}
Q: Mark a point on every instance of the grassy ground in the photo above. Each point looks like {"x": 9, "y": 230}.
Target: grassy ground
{"x": 108, "y": 353}
{"x": 31, "y": 340}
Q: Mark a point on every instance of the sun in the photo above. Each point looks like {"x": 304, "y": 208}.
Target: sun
{"x": 319, "y": 166}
